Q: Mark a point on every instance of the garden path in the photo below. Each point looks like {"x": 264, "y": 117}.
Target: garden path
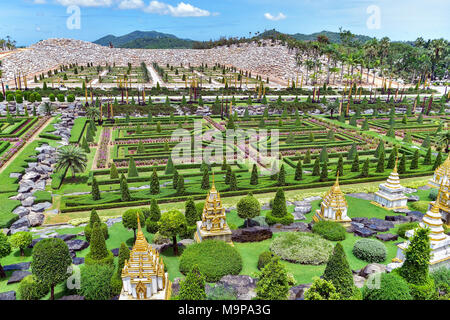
{"x": 33, "y": 137}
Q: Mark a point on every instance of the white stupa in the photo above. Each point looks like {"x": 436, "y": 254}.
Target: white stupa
{"x": 391, "y": 193}
{"x": 439, "y": 241}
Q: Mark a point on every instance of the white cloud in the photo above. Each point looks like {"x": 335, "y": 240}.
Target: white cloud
{"x": 181, "y": 10}
{"x": 131, "y": 4}
{"x": 39, "y": 1}
{"x": 86, "y": 3}
{"x": 280, "y": 16}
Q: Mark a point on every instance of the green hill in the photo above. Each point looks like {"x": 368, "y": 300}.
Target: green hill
{"x": 145, "y": 40}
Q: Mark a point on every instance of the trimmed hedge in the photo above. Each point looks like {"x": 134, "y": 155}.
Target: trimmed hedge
{"x": 369, "y": 250}
{"x": 56, "y": 185}
{"x": 330, "y": 230}
{"x": 214, "y": 259}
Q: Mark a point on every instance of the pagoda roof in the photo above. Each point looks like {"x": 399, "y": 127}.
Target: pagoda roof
{"x": 335, "y": 197}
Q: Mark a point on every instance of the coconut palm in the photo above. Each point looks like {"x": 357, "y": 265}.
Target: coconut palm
{"x": 93, "y": 113}
{"x": 46, "y": 108}
{"x": 71, "y": 157}
{"x": 443, "y": 139}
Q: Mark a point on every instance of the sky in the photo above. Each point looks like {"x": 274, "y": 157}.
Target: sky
{"x": 29, "y": 21}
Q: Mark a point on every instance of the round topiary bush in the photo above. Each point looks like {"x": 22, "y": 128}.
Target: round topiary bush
{"x": 389, "y": 287}
{"x": 401, "y": 231}
{"x": 214, "y": 259}
{"x": 301, "y": 247}
{"x": 370, "y": 250}
{"x": 30, "y": 289}
{"x": 329, "y": 230}
{"x": 264, "y": 258}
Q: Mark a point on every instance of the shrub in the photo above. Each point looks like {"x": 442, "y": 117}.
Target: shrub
{"x": 96, "y": 282}
{"x": 88, "y": 229}
{"x": 273, "y": 283}
{"x": 193, "y": 287}
{"x": 421, "y": 206}
{"x": 304, "y": 248}
{"x": 433, "y": 194}
{"x": 330, "y": 230}
{"x": 441, "y": 279}
{"x": 286, "y": 220}
{"x": 151, "y": 226}
{"x": 98, "y": 253}
{"x": 214, "y": 259}
{"x": 426, "y": 291}
{"x": 264, "y": 259}
{"x": 405, "y": 227}
{"x": 30, "y": 289}
{"x": 369, "y": 250}
{"x": 322, "y": 290}
{"x": 339, "y": 273}
{"x": 158, "y": 238}
{"x": 391, "y": 287}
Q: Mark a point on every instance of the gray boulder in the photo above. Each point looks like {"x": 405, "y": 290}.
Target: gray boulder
{"x": 41, "y": 207}
{"x": 17, "y": 266}
{"x": 358, "y": 280}
{"x": 66, "y": 237}
{"x": 77, "y": 245}
{"x": 364, "y": 232}
{"x": 77, "y": 261}
{"x": 253, "y": 234}
{"x": 72, "y": 297}
{"x": 22, "y": 222}
{"x": 36, "y": 219}
{"x": 17, "y": 276}
{"x": 244, "y": 286}
{"x": 9, "y": 295}
{"x": 387, "y": 237}
{"x": 28, "y": 202}
{"x": 372, "y": 268}
{"x": 298, "y": 292}
{"x": 21, "y": 211}
{"x": 413, "y": 198}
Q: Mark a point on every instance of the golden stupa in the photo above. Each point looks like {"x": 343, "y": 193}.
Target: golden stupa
{"x": 334, "y": 206}
{"x": 441, "y": 174}
{"x": 439, "y": 241}
{"x": 441, "y": 179}
{"x": 214, "y": 221}
{"x": 143, "y": 275}
{"x": 391, "y": 193}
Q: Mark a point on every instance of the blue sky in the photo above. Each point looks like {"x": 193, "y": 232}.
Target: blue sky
{"x": 29, "y": 21}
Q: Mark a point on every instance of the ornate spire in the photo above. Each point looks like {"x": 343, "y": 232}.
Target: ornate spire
{"x": 395, "y": 167}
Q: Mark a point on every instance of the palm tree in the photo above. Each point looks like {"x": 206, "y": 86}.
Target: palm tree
{"x": 443, "y": 139}
{"x": 71, "y": 157}
{"x": 333, "y": 107}
{"x": 437, "y": 47}
{"x": 93, "y": 113}
{"x": 46, "y": 108}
